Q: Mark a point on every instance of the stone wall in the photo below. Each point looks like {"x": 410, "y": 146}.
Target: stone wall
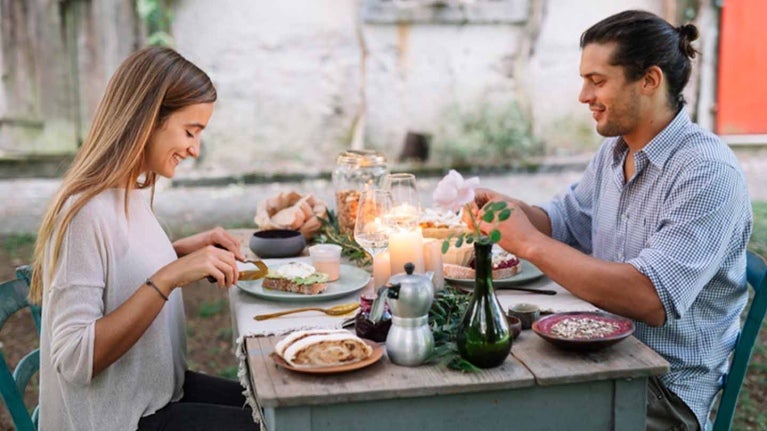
{"x": 301, "y": 80}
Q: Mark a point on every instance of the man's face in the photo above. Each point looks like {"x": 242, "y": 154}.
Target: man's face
{"x": 613, "y": 101}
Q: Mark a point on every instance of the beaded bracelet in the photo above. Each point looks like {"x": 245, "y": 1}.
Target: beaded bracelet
{"x": 149, "y": 282}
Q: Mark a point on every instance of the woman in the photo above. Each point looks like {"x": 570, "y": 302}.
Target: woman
{"x": 113, "y": 347}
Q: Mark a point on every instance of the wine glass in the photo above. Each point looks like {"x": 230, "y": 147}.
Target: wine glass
{"x": 405, "y": 200}
{"x": 371, "y": 230}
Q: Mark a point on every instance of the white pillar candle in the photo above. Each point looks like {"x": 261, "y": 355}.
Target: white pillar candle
{"x": 381, "y": 270}
{"x": 406, "y": 246}
{"x": 432, "y": 261}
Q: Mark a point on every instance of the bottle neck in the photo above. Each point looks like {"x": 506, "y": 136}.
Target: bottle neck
{"x": 483, "y": 265}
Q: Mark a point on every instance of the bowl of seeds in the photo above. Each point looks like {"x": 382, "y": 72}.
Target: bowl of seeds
{"x": 583, "y": 330}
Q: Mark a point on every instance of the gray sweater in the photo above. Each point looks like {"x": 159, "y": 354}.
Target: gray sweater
{"x": 104, "y": 259}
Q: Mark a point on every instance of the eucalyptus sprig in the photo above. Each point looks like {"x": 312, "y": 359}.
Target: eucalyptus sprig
{"x": 454, "y": 193}
{"x": 493, "y": 212}
{"x": 444, "y": 319}
{"x": 330, "y": 233}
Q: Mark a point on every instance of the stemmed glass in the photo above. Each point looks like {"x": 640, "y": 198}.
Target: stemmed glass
{"x": 405, "y": 200}
{"x": 371, "y": 230}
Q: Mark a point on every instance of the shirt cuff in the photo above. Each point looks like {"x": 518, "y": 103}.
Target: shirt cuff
{"x": 645, "y": 267}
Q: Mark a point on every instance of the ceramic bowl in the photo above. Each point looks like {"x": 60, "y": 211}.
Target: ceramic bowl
{"x": 277, "y": 243}
{"x": 526, "y": 313}
{"x": 515, "y": 326}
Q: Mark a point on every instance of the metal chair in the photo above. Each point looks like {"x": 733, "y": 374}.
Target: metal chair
{"x": 13, "y": 297}
{"x": 756, "y": 273}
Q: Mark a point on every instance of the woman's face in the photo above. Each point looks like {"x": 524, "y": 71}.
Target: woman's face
{"x": 176, "y": 139}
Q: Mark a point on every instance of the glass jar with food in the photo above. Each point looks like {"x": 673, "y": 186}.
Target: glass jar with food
{"x": 355, "y": 170}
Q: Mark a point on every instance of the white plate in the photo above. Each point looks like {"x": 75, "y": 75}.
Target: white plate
{"x": 351, "y": 280}
{"x": 528, "y": 273}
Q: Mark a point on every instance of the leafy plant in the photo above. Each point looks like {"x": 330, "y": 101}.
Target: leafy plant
{"x": 330, "y": 233}
{"x": 488, "y": 131}
{"x": 210, "y": 309}
{"x": 444, "y": 319}
{"x": 157, "y": 18}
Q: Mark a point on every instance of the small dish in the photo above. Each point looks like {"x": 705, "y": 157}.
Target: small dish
{"x": 623, "y": 328}
{"x": 515, "y": 326}
{"x": 526, "y": 313}
{"x": 277, "y": 243}
{"x": 372, "y": 359}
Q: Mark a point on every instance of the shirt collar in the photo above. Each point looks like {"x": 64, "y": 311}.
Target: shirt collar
{"x": 660, "y": 148}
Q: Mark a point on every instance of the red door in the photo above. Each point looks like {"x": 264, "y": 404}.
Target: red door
{"x": 742, "y": 82}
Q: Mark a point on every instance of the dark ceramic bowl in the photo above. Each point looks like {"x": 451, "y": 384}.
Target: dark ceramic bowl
{"x": 515, "y": 326}
{"x": 277, "y": 243}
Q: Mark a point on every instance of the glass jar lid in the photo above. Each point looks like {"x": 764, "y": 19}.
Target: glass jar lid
{"x": 361, "y": 158}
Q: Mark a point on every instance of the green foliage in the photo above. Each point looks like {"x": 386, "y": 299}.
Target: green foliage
{"x": 493, "y": 212}
{"x": 444, "y": 319}
{"x": 330, "y": 233}
{"x": 478, "y": 135}
{"x": 16, "y": 245}
{"x": 210, "y": 309}
{"x": 157, "y": 18}
{"x": 229, "y": 372}
{"x": 758, "y": 243}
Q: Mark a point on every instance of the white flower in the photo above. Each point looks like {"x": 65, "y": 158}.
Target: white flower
{"x": 453, "y": 191}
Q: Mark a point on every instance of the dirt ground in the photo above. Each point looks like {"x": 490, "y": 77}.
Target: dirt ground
{"x": 209, "y": 331}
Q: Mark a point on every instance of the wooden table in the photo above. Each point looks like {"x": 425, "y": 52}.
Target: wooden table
{"x": 538, "y": 387}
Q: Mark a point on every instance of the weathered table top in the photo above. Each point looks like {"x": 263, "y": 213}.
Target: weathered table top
{"x": 532, "y": 362}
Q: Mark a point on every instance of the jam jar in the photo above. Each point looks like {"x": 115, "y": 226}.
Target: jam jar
{"x": 355, "y": 170}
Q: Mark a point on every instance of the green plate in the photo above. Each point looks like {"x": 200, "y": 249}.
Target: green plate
{"x": 351, "y": 279}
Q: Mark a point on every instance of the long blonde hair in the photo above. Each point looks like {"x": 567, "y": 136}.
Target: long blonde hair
{"x": 149, "y": 85}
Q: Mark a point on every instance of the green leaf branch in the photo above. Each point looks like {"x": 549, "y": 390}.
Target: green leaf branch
{"x": 494, "y": 212}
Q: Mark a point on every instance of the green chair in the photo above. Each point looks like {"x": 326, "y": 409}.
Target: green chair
{"x": 756, "y": 273}
{"x": 13, "y": 297}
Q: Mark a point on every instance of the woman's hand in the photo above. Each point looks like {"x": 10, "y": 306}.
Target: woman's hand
{"x": 207, "y": 261}
{"x": 216, "y": 236}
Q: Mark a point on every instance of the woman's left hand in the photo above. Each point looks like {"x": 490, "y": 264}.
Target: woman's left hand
{"x": 217, "y": 236}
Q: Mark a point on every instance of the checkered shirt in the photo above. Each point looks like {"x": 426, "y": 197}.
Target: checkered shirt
{"x": 684, "y": 221}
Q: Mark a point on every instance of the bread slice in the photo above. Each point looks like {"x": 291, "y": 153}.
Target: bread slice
{"x": 296, "y": 277}
{"x": 505, "y": 265}
{"x": 322, "y": 348}
{"x": 458, "y": 272}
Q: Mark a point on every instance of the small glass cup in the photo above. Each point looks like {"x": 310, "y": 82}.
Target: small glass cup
{"x": 327, "y": 258}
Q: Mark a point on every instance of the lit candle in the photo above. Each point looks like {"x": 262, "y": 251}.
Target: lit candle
{"x": 381, "y": 270}
{"x": 432, "y": 260}
{"x": 406, "y": 246}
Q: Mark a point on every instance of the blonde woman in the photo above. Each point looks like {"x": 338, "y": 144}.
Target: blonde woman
{"x": 113, "y": 347}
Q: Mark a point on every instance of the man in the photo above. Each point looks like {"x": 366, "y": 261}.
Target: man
{"x": 656, "y": 230}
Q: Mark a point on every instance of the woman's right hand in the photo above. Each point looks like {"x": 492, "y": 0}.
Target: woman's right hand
{"x": 207, "y": 261}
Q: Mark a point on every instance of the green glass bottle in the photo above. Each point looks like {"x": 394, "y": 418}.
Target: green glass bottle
{"x": 484, "y": 338}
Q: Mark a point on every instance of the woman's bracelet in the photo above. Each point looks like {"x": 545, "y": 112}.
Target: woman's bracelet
{"x": 149, "y": 282}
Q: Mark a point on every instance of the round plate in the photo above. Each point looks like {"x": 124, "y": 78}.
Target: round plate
{"x": 543, "y": 326}
{"x": 372, "y": 359}
{"x": 351, "y": 280}
{"x": 528, "y": 273}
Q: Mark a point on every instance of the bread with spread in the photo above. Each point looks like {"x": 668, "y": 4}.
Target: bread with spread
{"x": 505, "y": 265}
{"x": 296, "y": 277}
